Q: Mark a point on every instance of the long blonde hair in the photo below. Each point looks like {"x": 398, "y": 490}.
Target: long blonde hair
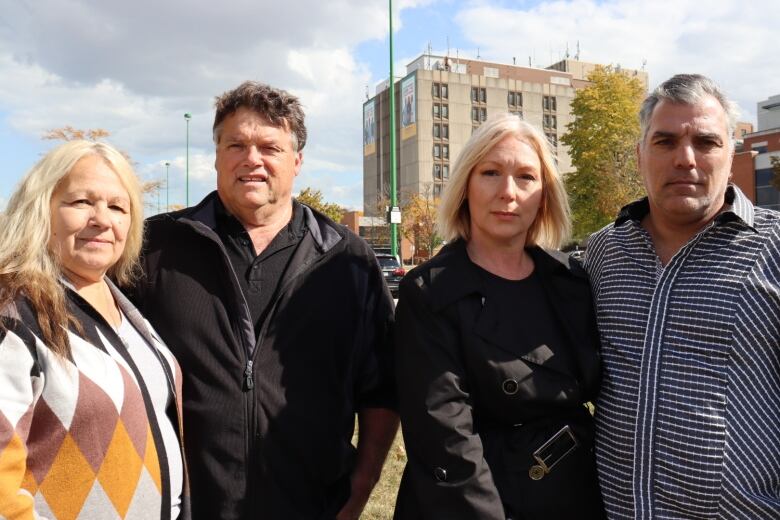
{"x": 551, "y": 226}
{"x": 27, "y": 266}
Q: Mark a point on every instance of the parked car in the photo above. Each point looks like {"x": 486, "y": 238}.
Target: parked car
{"x": 392, "y": 271}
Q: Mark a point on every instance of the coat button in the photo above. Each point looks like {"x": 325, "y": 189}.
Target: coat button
{"x": 536, "y": 472}
{"x": 510, "y": 387}
{"x": 440, "y": 474}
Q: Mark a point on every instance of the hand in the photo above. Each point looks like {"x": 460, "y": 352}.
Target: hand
{"x": 358, "y": 498}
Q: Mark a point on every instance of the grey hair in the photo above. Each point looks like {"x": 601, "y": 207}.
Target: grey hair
{"x": 687, "y": 89}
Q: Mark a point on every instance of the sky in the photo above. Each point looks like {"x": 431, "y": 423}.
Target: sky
{"x": 134, "y": 68}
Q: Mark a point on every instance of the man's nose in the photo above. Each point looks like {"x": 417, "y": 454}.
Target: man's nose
{"x": 685, "y": 156}
{"x": 254, "y": 156}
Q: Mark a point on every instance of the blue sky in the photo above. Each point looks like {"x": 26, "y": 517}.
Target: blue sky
{"x": 135, "y": 68}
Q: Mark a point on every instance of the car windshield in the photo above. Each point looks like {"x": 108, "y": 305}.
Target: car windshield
{"x": 387, "y": 261}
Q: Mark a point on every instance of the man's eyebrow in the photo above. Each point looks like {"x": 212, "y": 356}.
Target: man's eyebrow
{"x": 662, "y": 134}
{"x": 709, "y": 135}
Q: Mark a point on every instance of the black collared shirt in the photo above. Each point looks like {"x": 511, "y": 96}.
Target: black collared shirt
{"x": 259, "y": 275}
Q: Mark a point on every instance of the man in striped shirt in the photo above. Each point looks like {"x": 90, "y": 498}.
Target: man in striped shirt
{"x": 687, "y": 288}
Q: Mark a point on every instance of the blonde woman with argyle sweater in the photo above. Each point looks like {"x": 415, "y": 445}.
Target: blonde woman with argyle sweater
{"x": 89, "y": 395}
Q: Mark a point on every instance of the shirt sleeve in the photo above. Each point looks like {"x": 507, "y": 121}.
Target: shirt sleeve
{"x": 21, "y": 382}
{"x": 446, "y": 473}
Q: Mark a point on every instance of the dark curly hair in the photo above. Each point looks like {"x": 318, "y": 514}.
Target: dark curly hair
{"x": 278, "y": 106}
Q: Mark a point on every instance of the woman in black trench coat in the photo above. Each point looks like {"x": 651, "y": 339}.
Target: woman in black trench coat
{"x": 497, "y": 348}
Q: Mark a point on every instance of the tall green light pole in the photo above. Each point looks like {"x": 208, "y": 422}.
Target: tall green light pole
{"x": 167, "y": 190}
{"x": 187, "y": 117}
{"x": 393, "y": 194}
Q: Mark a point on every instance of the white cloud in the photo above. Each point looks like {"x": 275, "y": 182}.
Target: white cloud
{"x": 135, "y": 68}
{"x": 730, "y": 41}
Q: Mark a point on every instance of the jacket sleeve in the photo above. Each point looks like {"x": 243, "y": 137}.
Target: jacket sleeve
{"x": 21, "y": 382}
{"x": 376, "y": 378}
{"x": 446, "y": 475}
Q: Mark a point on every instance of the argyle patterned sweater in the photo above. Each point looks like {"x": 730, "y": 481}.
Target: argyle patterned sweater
{"x": 78, "y": 436}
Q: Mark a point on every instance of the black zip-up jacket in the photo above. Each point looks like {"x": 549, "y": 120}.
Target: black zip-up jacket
{"x": 268, "y": 423}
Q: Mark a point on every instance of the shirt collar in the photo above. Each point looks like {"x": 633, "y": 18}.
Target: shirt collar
{"x": 228, "y": 223}
{"x": 736, "y": 207}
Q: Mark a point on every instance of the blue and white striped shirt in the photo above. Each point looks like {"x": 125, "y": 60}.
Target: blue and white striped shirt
{"x": 688, "y": 420}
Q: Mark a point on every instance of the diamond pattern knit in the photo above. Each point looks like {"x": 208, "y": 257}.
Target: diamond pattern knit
{"x": 76, "y": 439}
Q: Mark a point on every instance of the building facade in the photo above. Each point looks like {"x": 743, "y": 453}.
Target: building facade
{"x": 441, "y": 101}
{"x": 752, "y": 169}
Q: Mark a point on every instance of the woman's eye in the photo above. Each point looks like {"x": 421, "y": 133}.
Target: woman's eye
{"x": 490, "y": 173}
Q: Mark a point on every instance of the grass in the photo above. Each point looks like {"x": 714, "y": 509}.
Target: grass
{"x": 382, "y": 501}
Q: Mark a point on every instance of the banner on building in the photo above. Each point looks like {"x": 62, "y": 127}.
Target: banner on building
{"x": 408, "y": 107}
{"x": 369, "y": 128}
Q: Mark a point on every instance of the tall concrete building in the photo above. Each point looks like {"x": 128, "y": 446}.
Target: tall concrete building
{"x": 442, "y": 100}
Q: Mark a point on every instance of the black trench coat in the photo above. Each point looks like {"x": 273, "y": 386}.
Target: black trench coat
{"x": 469, "y": 434}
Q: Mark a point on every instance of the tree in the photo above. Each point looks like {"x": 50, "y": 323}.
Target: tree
{"x": 68, "y": 133}
{"x": 602, "y": 140}
{"x": 419, "y": 223}
{"x": 313, "y": 199}
{"x": 775, "y": 171}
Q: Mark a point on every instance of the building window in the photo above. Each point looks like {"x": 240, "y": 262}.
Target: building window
{"x": 478, "y": 95}
{"x": 437, "y": 171}
{"x": 437, "y": 150}
{"x": 436, "y": 110}
{"x": 437, "y": 190}
{"x": 514, "y": 99}
{"x": 475, "y": 113}
{"x": 444, "y": 91}
{"x": 445, "y": 151}
{"x": 445, "y": 171}
{"x": 482, "y": 114}
{"x": 445, "y": 111}
{"x": 478, "y": 114}
{"x": 553, "y": 138}
{"x": 437, "y": 131}
{"x": 549, "y": 103}
{"x": 445, "y": 131}
{"x": 436, "y": 90}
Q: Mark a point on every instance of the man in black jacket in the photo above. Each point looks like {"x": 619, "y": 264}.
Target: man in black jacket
{"x": 281, "y": 322}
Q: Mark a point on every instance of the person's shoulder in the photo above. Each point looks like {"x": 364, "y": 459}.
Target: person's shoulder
{"x": 443, "y": 278}
{"x": 555, "y": 261}
{"x": 767, "y": 219}
{"x": 19, "y": 318}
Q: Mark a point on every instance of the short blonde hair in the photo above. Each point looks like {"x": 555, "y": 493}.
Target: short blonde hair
{"x": 27, "y": 265}
{"x": 551, "y": 226}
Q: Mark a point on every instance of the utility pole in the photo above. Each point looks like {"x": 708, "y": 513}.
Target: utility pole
{"x": 167, "y": 188}
{"x": 187, "y": 117}
{"x": 395, "y": 213}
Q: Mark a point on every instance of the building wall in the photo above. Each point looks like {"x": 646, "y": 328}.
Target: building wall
{"x": 420, "y": 171}
{"x": 768, "y": 113}
{"x": 753, "y": 175}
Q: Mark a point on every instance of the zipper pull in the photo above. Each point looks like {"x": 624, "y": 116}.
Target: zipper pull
{"x": 249, "y": 382}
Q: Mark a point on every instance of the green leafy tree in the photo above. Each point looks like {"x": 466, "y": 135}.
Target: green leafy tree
{"x": 775, "y": 172}
{"x": 602, "y": 140}
{"x": 313, "y": 199}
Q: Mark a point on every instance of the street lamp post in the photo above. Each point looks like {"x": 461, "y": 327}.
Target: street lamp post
{"x": 393, "y": 195}
{"x": 187, "y": 117}
{"x": 167, "y": 189}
